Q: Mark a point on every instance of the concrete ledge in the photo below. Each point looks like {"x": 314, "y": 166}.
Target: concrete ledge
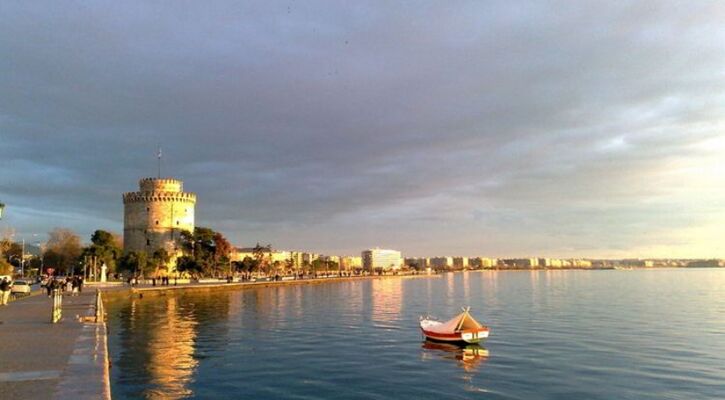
{"x": 87, "y": 374}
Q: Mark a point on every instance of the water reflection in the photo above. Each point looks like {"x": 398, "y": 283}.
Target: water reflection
{"x": 469, "y": 357}
{"x": 387, "y": 300}
{"x": 162, "y": 334}
{"x": 171, "y": 354}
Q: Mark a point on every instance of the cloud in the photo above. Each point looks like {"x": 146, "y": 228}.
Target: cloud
{"x": 475, "y": 128}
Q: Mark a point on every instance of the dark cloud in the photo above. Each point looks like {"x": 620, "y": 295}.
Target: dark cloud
{"x": 469, "y": 127}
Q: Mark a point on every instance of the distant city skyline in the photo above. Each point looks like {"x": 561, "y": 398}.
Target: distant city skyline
{"x": 492, "y": 129}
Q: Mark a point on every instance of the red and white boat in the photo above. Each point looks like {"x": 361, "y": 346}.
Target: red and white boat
{"x": 462, "y": 328}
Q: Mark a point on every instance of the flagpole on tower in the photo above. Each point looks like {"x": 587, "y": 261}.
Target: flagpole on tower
{"x": 158, "y": 155}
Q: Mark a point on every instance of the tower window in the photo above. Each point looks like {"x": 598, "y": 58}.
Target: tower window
{"x": 148, "y": 209}
{"x": 177, "y": 223}
{"x": 148, "y": 242}
{"x": 157, "y": 222}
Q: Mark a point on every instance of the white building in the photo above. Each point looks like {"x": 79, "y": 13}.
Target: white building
{"x": 381, "y": 258}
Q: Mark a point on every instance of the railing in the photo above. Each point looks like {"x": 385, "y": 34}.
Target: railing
{"x": 57, "y": 305}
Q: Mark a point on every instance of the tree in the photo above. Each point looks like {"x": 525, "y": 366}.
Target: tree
{"x": 318, "y": 265}
{"x": 160, "y": 258}
{"x": 222, "y": 250}
{"x": 137, "y": 263}
{"x": 290, "y": 264}
{"x": 62, "y": 250}
{"x": 276, "y": 266}
{"x": 248, "y": 264}
{"x": 105, "y": 248}
{"x": 13, "y": 253}
{"x": 186, "y": 239}
{"x": 261, "y": 255}
{"x": 5, "y": 268}
{"x": 5, "y": 241}
{"x": 333, "y": 266}
{"x": 189, "y": 265}
{"x": 207, "y": 248}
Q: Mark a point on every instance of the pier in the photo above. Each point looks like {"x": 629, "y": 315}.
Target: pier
{"x": 44, "y": 360}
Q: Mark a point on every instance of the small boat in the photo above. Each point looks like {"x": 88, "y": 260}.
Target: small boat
{"x": 460, "y": 329}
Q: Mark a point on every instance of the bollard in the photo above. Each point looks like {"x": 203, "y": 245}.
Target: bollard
{"x": 99, "y": 307}
{"x": 57, "y": 306}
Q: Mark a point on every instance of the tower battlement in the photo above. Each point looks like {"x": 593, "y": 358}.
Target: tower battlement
{"x": 160, "y": 185}
{"x": 134, "y": 197}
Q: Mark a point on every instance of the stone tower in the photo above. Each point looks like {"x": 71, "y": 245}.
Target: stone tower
{"x": 154, "y": 217}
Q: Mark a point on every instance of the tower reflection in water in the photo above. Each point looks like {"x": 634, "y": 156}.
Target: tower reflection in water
{"x": 171, "y": 353}
{"x": 469, "y": 357}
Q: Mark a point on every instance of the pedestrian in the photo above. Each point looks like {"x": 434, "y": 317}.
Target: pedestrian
{"x": 4, "y": 291}
{"x": 49, "y": 285}
{"x": 69, "y": 285}
{"x": 74, "y": 286}
{"x": 153, "y": 281}
{"x": 80, "y": 284}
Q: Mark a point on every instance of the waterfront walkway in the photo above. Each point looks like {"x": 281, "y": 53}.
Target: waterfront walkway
{"x": 222, "y": 284}
{"x": 41, "y": 360}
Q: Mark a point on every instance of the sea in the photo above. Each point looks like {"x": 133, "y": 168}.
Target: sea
{"x": 555, "y": 334}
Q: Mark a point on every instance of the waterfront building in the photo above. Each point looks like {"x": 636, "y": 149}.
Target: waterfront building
{"x": 308, "y": 258}
{"x": 296, "y": 257}
{"x": 268, "y": 255}
{"x": 330, "y": 261}
{"x": 381, "y": 258}
{"x": 488, "y": 262}
{"x": 521, "y": 262}
{"x": 550, "y": 263}
{"x": 441, "y": 262}
{"x": 155, "y": 216}
{"x": 349, "y": 263}
{"x": 240, "y": 253}
{"x": 704, "y": 263}
{"x": 416, "y": 262}
{"x": 460, "y": 262}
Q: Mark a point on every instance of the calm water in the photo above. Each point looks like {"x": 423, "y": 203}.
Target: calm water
{"x": 555, "y": 335}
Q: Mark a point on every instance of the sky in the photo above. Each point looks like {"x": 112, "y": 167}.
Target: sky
{"x": 496, "y": 128}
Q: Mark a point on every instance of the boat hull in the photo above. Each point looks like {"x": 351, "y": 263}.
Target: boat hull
{"x": 457, "y": 337}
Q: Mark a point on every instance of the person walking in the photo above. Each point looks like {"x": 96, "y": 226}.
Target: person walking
{"x": 74, "y": 286}
{"x": 4, "y": 291}
{"x": 80, "y": 284}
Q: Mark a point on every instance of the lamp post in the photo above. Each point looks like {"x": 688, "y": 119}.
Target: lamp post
{"x": 2, "y": 207}
{"x": 22, "y": 260}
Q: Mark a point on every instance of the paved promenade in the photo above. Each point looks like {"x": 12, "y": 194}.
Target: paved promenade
{"x": 41, "y": 360}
